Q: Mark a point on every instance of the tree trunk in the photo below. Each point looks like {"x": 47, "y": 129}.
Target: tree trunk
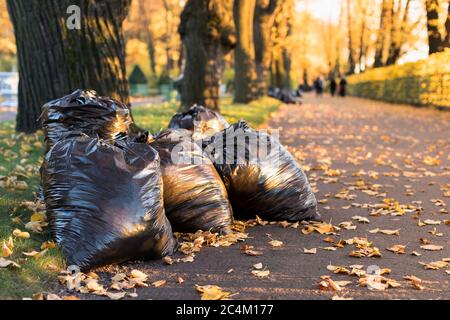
{"x": 282, "y": 28}
{"x": 54, "y": 60}
{"x": 398, "y": 34}
{"x": 244, "y": 55}
{"x": 207, "y": 32}
{"x": 434, "y": 35}
{"x": 146, "y": 34}
{"x": 383, "y": 32}
{"x": 362, "y": 40}
{"x": 351, "y": 55}
{"x": 264, "y": 20}
{"x": 447, "y": 28}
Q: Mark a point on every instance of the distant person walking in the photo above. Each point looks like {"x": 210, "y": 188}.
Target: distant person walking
{"x": 333, "y": 87}
{"x": 343, "y": 87}
{"x": 319, "y": 86}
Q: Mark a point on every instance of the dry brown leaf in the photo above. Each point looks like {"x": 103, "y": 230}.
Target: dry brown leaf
{"x": 432, "y": 222}
{"x": 328, "y": 284}
{"x": 116, "y": 296}
{"x": 361, "y": 219}
{"x": 119, "y": 277}
{"x": 21, "y": 234}
{"x": 48, "y": 245}
{"x": 6, "y": 250}
{"x": 258, "y": 266}
{"x": 386, "y": 232}
{"x": 188, "y": 259}
{"x": 35, "y": 254}
{"x": 70, "y": 298}
{"x": 432, "y": 247}
{"x": 336, "y": 298}
{"x": 398, "y": 248}
{"x": 211, "y": 292}
{"x": 347, "y": 225}
{"x": 168, "y": 260}
{"x": 8, "y": 264}
{"x": 415, "y": 281}
{"x": 436, "y": 265}
{"x": 276, "y": 243}
{"x": 53, "y": 297}
{"x": 160, "y": 283}
{"x": 180, "y": 280}
{"x": 261, "y": 273}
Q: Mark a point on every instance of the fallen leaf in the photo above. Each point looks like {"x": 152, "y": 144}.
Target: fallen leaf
{"x": 119, "y": 277}
{"x": 436, "y": 265}
{"x": 347, "y": 225}
{"x": 261, "y": 273}
{"x": 116, "y": 296}
{"x": 361, "y": 219}
{"x": 21, "y": 234}
{"x": 432, "y": 247}
{"x": 137, "y": 274}
{"x": 211, "y": 292}
{"x": 258, "y": 266}
{"x": 6, "y": 250}
{"x": 276, "y": 243}
{"x": 53, "y": 297}
{"x": 8, "y": 264}
{"x": 35, "y": 254}
{"x": 70, "y": 298}
{"x": 188, "y": 259}
{"x": 160, "y": 283}
{"x": 432, "y": 222}
{"x": 415, "y": 281}
{"x": 398, "y": 248}
{"x": 328, "y": 284}
{"x": 168, "y": 260}
{"x": 48, "y": 245}
{"x": 336, "y": 297}
{"x": 180, "y": 280}
{"x": 310, "y": 251}
{"x": 386, "y": 232}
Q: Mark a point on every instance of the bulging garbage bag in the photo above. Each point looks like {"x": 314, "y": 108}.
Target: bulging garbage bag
{"x": 84, "y": 111}
{"x": 202, "y": 121}
{"x": 194, "y": 195}
{"x": 105, "y": 203}
{"x": 261, "y": 176}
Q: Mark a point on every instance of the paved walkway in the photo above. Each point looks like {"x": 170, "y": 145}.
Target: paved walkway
{"x": 357, "y": 153}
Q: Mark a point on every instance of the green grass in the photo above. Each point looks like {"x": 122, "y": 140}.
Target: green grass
{"x": 27, "y": 152}
{"x": 256, "y": 113}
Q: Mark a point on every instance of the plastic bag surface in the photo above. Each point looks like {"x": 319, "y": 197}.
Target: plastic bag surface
{"x": 202, "y": 121}
{"x": 105, "y": 203}
{"x": 261, "y": 176}
{"x": 194, "y": 195}
{"x": 84, "y": 111}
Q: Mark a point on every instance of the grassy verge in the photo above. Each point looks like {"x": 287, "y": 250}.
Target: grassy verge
{"x": 21, "y": 156}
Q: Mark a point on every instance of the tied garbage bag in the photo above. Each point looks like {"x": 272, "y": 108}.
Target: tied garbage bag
{"x": 194, "y": 195}
{"x": 261, "y": 176}
{"x": 104, "y": 203}
{"x": 202, "y": 121}
{"x": 84, "y": 111}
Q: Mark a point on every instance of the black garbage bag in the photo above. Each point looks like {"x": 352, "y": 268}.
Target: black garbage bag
{"x": 105, "y": 203}
{"x": 194, "y": 195}
{"x": 261, "y": 176}
{"x": 285, "y": 96}
{"x": 202, "y": 121}
{"x": 84, "y": 111}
